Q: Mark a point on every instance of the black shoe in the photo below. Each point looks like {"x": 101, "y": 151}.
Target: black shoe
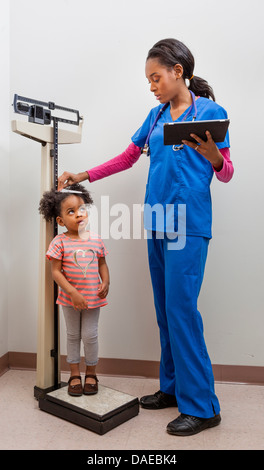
{"x": 158, "y": 400}
{"x": 186, "y": 425}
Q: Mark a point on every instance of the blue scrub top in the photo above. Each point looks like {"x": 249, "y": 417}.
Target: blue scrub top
{"x": 178, "y": 180}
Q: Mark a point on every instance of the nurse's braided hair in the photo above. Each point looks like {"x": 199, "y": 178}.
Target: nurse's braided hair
{"x": 50, "y": 204}
{"x": 170, "y": 52}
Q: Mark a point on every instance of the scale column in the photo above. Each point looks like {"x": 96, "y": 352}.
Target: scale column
{"x": 48, "y": 348}
{"x": 46, "y": 374}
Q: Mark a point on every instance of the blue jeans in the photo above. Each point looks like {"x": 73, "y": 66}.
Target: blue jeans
{"x": 185, "y": 366}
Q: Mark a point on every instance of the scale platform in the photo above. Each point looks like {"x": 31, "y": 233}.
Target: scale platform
{"x": 99, "y": 413}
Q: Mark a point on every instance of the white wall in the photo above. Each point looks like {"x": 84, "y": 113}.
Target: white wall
{"x": 4, "y": 165}
{"x": 91, "y": 56}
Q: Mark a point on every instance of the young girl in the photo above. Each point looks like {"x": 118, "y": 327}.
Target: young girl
{"x": 178, "y": 176}
{"x": 77, "y": 260}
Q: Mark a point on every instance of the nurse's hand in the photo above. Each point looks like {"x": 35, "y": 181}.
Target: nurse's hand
{"x": 207, "y": 149}
{"x": 67, "y": 179}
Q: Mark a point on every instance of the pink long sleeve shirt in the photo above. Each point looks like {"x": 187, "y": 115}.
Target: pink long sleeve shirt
{"x": 131, "y": 155}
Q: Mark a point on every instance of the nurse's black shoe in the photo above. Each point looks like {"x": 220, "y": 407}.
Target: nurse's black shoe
{"x": 157, "y": 401}
{"x": 186, "y": 425}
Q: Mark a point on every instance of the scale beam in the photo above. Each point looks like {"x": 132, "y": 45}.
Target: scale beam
{"x": 36, "y": 112}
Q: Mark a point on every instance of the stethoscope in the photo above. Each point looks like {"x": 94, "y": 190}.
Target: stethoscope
{"x": 174, "y": 147}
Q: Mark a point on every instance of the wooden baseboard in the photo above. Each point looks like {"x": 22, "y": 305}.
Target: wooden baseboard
{"x": 4, "y": 364}
{"x": 136, "y": 368}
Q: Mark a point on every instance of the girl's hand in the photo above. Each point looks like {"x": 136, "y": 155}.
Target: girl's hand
{"x": 78, "y": 300}
{"x": 103, "y": 290}
{"x": 104, "y": 275}
{"x": 207, "y": 149}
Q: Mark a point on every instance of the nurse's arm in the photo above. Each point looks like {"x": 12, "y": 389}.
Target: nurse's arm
{"x": 225, "y": 174}
{"x": 120, "y": 163}
{"x": 219, "y": 160}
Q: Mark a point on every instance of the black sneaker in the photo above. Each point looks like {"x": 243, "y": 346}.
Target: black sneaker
{"x": 158, "y": 400}
{"x": 186, "y": 425}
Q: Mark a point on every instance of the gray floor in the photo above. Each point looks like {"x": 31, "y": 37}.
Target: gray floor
{"x": 25, "y": 427}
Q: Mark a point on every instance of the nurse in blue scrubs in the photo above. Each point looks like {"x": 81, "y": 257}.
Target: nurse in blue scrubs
{"x": 180, "y": 177}
{"x": 178, "y": 219}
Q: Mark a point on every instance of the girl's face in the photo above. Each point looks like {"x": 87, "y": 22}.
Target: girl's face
{"x": 74, "y": 214}
{"x": 164, "y": 82}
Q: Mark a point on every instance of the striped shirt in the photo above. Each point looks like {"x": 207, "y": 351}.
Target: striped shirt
{"x": 79, "y": 266}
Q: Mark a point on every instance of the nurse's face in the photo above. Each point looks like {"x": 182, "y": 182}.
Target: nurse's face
{"x": 164, "y": 82}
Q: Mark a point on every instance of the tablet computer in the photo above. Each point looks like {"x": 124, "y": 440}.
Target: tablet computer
{"x": 175, "y": 132}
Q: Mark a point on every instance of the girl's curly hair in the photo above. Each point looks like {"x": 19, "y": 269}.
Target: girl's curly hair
{"x": 50, "y": 204}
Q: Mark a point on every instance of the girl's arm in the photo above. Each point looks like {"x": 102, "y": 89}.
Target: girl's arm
{"x": 78, "y": 301}
{"x": 104, "y": 275}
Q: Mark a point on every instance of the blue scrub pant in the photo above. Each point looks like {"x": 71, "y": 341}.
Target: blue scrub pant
{"x": 185, "y": 366}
